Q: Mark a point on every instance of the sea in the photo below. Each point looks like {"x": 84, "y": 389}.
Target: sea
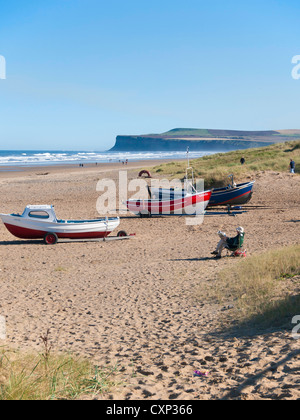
{"x": 25, "y": 158}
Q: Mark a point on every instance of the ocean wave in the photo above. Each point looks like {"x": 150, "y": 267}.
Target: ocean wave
{"x": 32, "y": 158}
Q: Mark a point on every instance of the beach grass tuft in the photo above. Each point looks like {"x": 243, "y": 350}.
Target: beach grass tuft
{"x": 50, "y": 377}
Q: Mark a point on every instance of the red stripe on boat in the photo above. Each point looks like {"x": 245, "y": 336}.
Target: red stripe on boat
{"x": 234, "y": 198}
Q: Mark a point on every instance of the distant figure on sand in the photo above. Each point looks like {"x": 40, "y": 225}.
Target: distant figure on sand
{"x": 292, "y": 166}
{"x": 232, "y": 244}
{"x": 242, "y": 161}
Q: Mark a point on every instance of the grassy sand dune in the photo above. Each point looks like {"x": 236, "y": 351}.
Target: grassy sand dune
{"x": 216, "y": 168}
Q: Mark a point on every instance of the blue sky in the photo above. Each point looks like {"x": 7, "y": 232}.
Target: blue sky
{"x": 80, "y": 72}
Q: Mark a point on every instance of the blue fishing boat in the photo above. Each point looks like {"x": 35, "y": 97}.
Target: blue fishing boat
{"x": 232, "y": 195}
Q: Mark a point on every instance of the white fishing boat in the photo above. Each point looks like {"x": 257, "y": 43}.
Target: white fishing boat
{"x": 40, "y": 222}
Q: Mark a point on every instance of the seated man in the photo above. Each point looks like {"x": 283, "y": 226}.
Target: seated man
{"x": 230, "y": 243}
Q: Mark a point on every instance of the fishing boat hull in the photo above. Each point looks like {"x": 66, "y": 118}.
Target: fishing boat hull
{"x": 22, "y": 230}
{"x": 25, "y": 227}
{"x": 193, "y": 204}
{"x": 231, "y": 196}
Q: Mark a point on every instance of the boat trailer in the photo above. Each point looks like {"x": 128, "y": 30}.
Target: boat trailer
{"x": 52, "y": 239}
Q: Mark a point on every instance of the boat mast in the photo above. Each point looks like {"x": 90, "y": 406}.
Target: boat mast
{"x": 187, "y": 169}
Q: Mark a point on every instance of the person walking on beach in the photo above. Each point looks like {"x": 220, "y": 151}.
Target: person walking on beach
{"x": 231, "y": 243}
{"x": 292, "y": 166}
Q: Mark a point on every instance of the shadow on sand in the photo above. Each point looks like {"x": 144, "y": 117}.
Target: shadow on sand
{"x": 198, "y": 259}
{"x": 22, "y": 242}
{"x": 235, "y": 392}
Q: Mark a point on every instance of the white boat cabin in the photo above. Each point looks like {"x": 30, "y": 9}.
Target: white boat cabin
{"x": 45, "y": 213}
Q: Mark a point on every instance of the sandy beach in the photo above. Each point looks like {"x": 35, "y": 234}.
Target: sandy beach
{"x": 133, "y": 303}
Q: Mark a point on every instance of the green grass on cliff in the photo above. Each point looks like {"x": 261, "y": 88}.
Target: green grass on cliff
{"x": 214, "y": 169}
{"x": 181, "y": 132}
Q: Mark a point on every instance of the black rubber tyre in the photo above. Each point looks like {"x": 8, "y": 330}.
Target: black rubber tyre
{"x": 50, "y": 238}
{"x": 121, "y": 233}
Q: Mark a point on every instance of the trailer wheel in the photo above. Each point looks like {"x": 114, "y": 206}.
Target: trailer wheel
{"x": 50, "y": 238}
{"x": 121, "y": 233}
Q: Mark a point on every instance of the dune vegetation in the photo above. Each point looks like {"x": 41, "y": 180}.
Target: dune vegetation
{"x": 261, "y": 290}
{"x": 48, "y": 376}
{"x": 216, "y": 168}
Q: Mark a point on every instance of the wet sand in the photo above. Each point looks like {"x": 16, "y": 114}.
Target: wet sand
{"x": 16, "y": 171}
{"x": 133, "y": 303}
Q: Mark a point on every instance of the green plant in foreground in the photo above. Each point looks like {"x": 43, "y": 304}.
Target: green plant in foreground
{"x": 54, "y": 377}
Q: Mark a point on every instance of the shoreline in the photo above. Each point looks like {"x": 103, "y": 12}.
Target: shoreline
{"x": 104, "y": 161}
{"x": 16, "y": 171}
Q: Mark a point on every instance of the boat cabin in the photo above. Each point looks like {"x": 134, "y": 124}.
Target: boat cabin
{"x": 45, "y": 213}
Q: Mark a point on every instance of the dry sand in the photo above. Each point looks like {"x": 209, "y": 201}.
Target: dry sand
{"x": 133, "y": 303}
